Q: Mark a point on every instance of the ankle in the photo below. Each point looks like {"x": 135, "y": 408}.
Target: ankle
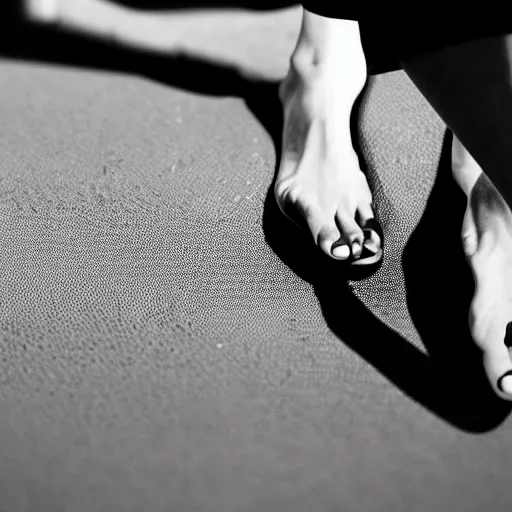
{"x": 323, "y": 35}
{"x": 331, "y": 50}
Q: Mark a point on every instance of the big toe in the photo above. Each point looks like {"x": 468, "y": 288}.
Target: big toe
{"x": 497, "y": 361}
{"x": 326, "y": 233}
{"x": 504, "y": 383}
{"x": 330, "y": 241}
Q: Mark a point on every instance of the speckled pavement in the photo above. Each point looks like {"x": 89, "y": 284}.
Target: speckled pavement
{"x": 169, "y": 342}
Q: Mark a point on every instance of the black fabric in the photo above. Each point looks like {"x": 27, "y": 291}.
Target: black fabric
{"x": 389, "y": 36}
{"x": 333, "y": 10}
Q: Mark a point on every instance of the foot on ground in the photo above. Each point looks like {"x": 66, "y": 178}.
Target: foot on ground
{"x": 319, "y": 185}
{"x": 487, "y": 241}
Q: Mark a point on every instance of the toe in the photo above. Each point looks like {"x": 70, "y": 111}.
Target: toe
{"x": 497, "y": 362}
{"x": 370, "y": 227}
{"x": 351, "y": 232}
{"x": 324, "y": 230}
{"x": 341, "y": 250}
{"x": 328, "y": 240}
{"x": 325, "y": 233}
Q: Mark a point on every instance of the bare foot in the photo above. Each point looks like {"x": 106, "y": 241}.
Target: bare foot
{"x": 487, "y": 240}
{"x": 319, "y": 182}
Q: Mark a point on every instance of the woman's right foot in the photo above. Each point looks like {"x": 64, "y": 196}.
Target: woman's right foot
{"x": 319, "y": 183}
{"x": 487, "y": 242}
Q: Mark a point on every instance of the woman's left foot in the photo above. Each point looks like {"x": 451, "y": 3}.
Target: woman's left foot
{"x": 487, "y": 241}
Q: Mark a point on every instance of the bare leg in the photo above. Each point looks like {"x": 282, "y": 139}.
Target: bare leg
{"x": 93, "y": 17}
{"x": 231, "y": 36}
{"x": 319, "y": 184}
{"x": 470, "y": 85}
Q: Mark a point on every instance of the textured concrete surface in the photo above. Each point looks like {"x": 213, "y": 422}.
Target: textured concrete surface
{"x": 170, "y": 343}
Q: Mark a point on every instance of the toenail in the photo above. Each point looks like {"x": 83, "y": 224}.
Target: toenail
{"x": 356, "y": 248}
{"x": 505, "y": 383}
{"x": 341, "y": 251}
